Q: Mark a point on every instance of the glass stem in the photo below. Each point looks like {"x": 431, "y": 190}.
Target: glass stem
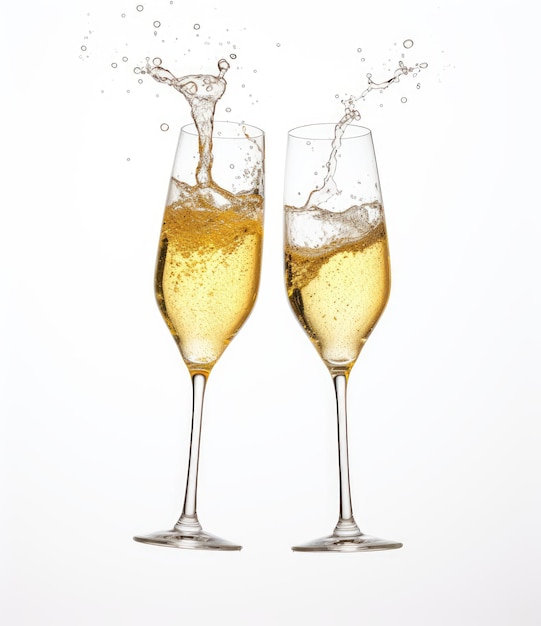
{"x": 346, "y": 526}
{"x": 188, "y": 520}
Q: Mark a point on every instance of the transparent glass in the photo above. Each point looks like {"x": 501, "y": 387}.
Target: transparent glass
{"x": 207, "y": 275}
{"x": 337, "y": 274}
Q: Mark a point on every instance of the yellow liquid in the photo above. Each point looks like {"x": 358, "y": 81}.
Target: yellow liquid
{"x": 338, "y": 295}
{"x": 207, "y": 276}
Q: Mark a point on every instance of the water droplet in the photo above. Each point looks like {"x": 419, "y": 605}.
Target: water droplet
{"x": 139, "y": 7}
{"x": 381, "y": 105}
{"x": 403, "y": 100}
{"x": 359, "y": 49}
{"x": 83, "y": 48}
{"x": 278, "y": 45}
{"x": 164, "y": 127}
{"x": 423, "y": 65}
{"x": 157, "y": 24}
{"x": 128, "y": 159}
{"x": 232, "y": 167}
{"x": 255, "y": 71}
{"x": 137, "y": 70}
{"x": 418, "y": 85}
{"x": 123, "y": 15}
{"x": 308, "y": 143}
{"x": 232, "y": 56}
{"x": 157, "y": 61}
{"x": 113, "y": 65}
{"x": 124, "y": 59}
{"x": 140, "y": 81}
{"x": 363, "y": 60}
{"x": 336, "y": 95}
{"x": 408, "y": 43}
{"x": 196, "y": 26}
{"x": 127, "y": 91}
{"x": 228, "y": 110}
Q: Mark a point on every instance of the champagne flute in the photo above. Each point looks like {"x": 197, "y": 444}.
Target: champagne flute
{"x": 207, "y": 274}
{"x": 337, "y": 273}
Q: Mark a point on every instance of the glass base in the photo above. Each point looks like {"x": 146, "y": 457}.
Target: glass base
{"x": 188, "y": 540}
{"x": 358, "y": 543}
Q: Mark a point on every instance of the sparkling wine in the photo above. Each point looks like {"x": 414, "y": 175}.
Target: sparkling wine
{"x": 338, "y": 293}
{"x": 337, "y": 268}
{"x": 207, "y": 274}
{"x": 208, "y": 267}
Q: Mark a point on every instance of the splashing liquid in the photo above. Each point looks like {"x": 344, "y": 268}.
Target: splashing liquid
{"x": 329, "y": 188}
{"x": 202, "y": 91}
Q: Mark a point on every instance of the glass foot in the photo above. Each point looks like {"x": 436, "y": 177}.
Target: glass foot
{"x": 358, "y": 543}
{"x": 199, "y": 540}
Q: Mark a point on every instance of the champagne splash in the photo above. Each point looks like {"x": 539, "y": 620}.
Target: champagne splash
{"x": 202, "y": 91}
{"x": 329, "y": 188}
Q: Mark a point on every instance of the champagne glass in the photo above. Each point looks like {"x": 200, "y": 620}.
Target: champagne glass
{"x": 207, "y": 274}
{"x": 337, "y": 273}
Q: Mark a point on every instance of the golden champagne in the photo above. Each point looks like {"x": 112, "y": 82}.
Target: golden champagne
{"x": 207, "y": 273}
{"x": 338, "y": 293}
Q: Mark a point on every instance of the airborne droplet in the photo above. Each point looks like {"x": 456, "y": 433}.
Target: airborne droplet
{"x": 164, "y": 127}
{"x": 139, "y": 7}
{"x": 408, "y": 43}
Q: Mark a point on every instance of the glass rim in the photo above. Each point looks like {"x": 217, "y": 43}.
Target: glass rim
{"x": 325, "y": 131}
{"x": 248, "y": 130}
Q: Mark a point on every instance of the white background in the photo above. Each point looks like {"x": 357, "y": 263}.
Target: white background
{"x": 444, "y": 401}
